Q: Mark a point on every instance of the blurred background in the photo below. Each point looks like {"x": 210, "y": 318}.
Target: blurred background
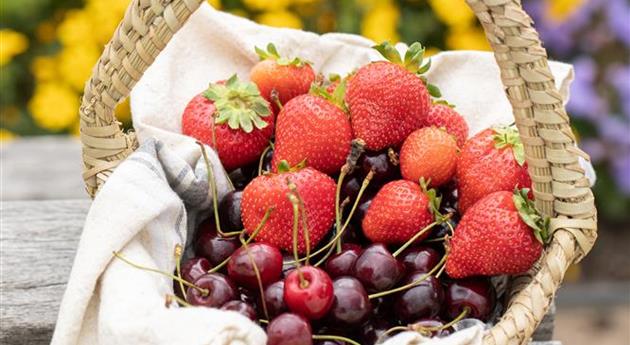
{"x": 48, "y": 48}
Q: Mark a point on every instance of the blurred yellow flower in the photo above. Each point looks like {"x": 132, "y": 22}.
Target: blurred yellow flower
{"x": 266, "y": 5}
{"x": 560, "y": 10}
{"x": 105, "y": 15}
{"x": 467, "y": 38}
{"x": 430, "y": 51}
{"x": 381, "y": 22}
{"x": 45, "y": 31}
{"x": 54, "y": 106}
{"x": 6, "y": 135}
{"x": 44, "y": 68}
{"x": 123, "y": 111}
{"x": 282, "y": 19}
{"x": 75, "y": 28}
{"x": 452, "y": 12}
{"x": 76, "y": 63}
{"x": 215, "y": 3}
{"x": 12, "y": 43}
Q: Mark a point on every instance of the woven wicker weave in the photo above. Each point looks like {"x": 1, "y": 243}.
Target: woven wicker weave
{"x": 560, "y": 187}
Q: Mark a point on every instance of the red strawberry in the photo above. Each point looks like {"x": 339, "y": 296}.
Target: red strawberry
{"x": 241, "y": 119}
{"x": 317, "y": 192}
{"x": 312, "y": 128}
{"x": 397, "y": 212}
{"x": 494, "y": 237}
{"x": 491, "y": 161}
{"x": 443, "y": 115}
{"x": 429, "y": 153}
{"x": 387, "y": 99}
{"x": 289, "y": 77}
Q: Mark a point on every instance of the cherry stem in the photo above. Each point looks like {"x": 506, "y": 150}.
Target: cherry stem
{"x": 414, "y": 238}
{"x": 213, "y": 188}
{"x": 412, "y": 284}
{"x": 439, "y": 273}
{"x": 459, "y": 317}
{"x": 178, "y": 266}
{"x": 390, "y": 331}
{"x": 325, "y": 257}
{"x": 262, "y": 159}
{"x": 144, "y": 268}
{"x": 261, "y": 290}
{"x": 344, "y": 170}
{"x": 296, "y": 215}
{"x": 439, "y": 239}
{"x": 179, "y": 300}
{"x": 335, "y": 337}
{"x": 305, "y": 231}
{"x": 366, "y": 182}
{"x": 259, "y": 227}
{"x": 266, "y": 322}
{"x": 275, "y": 98}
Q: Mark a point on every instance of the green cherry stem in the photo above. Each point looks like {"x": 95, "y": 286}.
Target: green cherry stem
{"x": 344, "y": 171}
{"x": 296, "y": 215}
{"x": 424, "y": 330}
{"x": 412, "y": 284}
{"x": 305, "y": 232}
{"x": 262, "y": 160}
{"x": 261, "y": 289}
{"x": 154, "y": 270}
{"x": 390, "y": 331}
{"x": 275, "y": 98}
{"x": 335, "y": 337}
{"x": 266, "y": 322}
{"x": 178, "y": 266}
{"x": 414, "y": 238}
{"x": 179, "y": 300}
{"x": 325, "y": 257}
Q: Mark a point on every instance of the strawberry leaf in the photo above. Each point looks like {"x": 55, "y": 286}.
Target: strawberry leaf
{"x": 389, "y": 52}
{"x": 529, "y": 215}
{"x": 272, "y": 54}
{"x": 507, "y": 136}
{"x": 337, "y": 97}
{"x": 434, "y": 91}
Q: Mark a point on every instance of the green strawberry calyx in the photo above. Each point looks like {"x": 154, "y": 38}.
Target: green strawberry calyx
{"x": 272, "y": 54}
{"x": 285, "y": 167}
{"x": 337, "y": 97}
{"x": 239, "y": 104}
{"x": 529, "y": 215}
{"x": 507, "y": 136}
{"x": 435, "y": 201}
{"x": 412, "y": 62}
{"x": 444, "y": 102}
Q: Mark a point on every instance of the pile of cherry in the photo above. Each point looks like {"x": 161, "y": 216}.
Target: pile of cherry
{"x": 360, "y": 292}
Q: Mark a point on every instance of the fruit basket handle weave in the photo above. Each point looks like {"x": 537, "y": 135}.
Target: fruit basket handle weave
{"x": 560, "y": 187}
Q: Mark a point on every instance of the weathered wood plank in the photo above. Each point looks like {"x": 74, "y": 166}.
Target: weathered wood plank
{"x": 38, "y": 241}
{"x": 41, "y": 168}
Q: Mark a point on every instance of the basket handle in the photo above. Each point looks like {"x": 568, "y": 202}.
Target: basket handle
{"x": 560, "y": 187}
{"x": 146, "y": 28}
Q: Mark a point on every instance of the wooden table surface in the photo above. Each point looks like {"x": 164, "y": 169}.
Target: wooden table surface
{"x": 39, "y": 234}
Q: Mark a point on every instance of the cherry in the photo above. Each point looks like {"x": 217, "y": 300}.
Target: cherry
{"x": 350, "y": 187}
{"x": 219, "y": 290}
{"x": 311, "y": 297}
{"x": 212, "y": 246}
{"x": 449, "y": 194}
{"x": 195, "y": 268}
{"x": 351, "y": 305}
{"x": 274, "y": 298}
{"x": 342, "y": 264}
{"x": 240, "y": 177}
{"x": 268, "y": 260}
{"x": 230, "y": 210}
{"x": 359, "y": 213}
{"x": 475, "y": 293}
{"x": 419, "y": 258}
{"x": 377, "y": 268}
{"x": 429, "y": 327}
{"x": 241, "y": 308}
{"x": 287, "y": 264}
{"x": 267, "y": 161}
{"x": 420, "y": 301}
{"x": 382, "y": 166}
{"x": 289, "y": 329}
{"x": 373, "y": 330}
{"x": 247, "y": 296}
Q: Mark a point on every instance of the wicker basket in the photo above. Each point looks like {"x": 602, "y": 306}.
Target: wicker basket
{"x": 560, "y": 187}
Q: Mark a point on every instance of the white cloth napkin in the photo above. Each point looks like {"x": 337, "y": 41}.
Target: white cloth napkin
{"x": 144, "y": 208}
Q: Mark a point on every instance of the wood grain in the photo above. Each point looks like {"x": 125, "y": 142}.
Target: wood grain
{"x": 37, "y": 241}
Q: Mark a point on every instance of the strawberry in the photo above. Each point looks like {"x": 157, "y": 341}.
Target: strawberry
{"x": 500, "y": 234}
{"x": 312, "y": 128}
{"x": 289, "y": 77}
{"x": 398, "y": 211}
{"x": 491, "y": 161}
{"x": 429, "y": 153}
{"x": 388, "y": 99}
{"x": 444, "y": 115}
{"x": 233, "y": 118}
{"x": 317, "y": 192}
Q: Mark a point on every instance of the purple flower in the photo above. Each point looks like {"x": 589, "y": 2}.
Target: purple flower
{"x": 621, "y": 171}
{"x": 584, "y": 101}
{"x": 619, "y": 77}
{"x": 618, "y": 13}
{"x": 595, "y": 148}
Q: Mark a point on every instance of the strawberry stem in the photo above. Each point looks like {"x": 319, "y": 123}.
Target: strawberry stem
{"x": 335, "y": 338}
{"x": 154, "y": 270}
{"x": 412, "y": 284}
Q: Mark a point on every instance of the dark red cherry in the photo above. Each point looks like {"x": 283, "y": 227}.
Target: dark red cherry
{"x": 240, "y": 177}
{"x": 374, "y": 330}
{"x": 351, "y": 305}
{"x": 311, "y": 298}
{"x": 342, "y": 264}
{"x": 429, "y": 327}
{"x": 377, "y": 269}
{"x": 476, "y": 293}
{"x": 230, "y": 211}
{"x": 382, "y": 166}
{"x": 359, "y": 213}
{"x": 212, "y": 246}
{"x": 274, "y": 298}
{"x": 287, "y": 264}
{"x": 195, "y": 268}
{"x": 350, "y": 187}
{"x": 289, "y": 329}
{"x": 220, "y": 290}
{"x": 419, "y": 258}
{"x": 268, "y": 260}
{"x": 241, "y": 308}
{"x": 267, "y": 161}
{"x": 421, "y": 301}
